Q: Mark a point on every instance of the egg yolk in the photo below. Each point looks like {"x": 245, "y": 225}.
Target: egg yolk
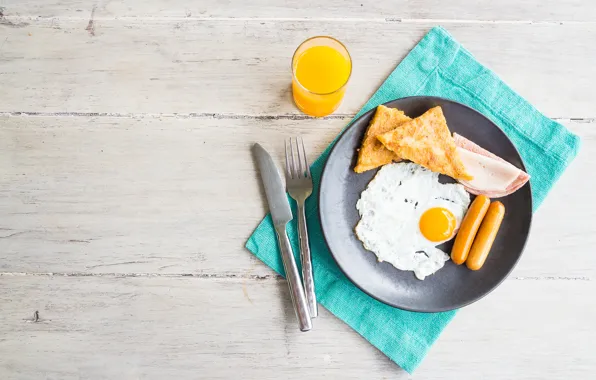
{"x": 437, "y": 224}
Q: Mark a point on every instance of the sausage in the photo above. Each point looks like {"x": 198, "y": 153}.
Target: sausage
{"x": 468, "y": 229}
{"x": 486, "y": 236}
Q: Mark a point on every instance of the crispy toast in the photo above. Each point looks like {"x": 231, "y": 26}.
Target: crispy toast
{"x": 427, "y": 141}
{"x": 372, "y": 153}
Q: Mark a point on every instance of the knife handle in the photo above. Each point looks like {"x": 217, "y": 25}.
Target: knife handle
{"x": 306, "y": 258}
{"x": 294, "y": 283}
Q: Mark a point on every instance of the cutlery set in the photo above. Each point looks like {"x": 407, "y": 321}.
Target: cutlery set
{"x": 299, "y": 186}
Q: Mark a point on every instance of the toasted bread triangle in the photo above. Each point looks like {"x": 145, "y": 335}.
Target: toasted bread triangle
{"x": 427, "y": 141}
{"x": 372, "y": 153}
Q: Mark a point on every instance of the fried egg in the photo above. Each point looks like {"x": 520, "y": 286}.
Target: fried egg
{"x": 405, "y": 213}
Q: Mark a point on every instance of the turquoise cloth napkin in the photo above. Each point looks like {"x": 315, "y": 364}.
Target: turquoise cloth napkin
{"x": 437, "y": 66}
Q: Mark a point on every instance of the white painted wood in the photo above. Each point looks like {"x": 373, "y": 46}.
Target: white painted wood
{"x": 156, "y": 328}
{"x": 242, "y": 67}
{"x": 111, "y": 184}
{"x": 160, "y": 195}
{"x": 505, "y": 10}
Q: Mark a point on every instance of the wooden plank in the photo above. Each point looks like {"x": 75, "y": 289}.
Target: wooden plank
{"x": 508, "y": 10}
{"x": 135, "y": 195}
{"x": 155, "y": 328}
{"x": 242, "y": 67}
{"x": 162, "y": 195}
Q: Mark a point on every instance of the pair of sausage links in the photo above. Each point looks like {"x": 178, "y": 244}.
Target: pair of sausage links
{"x": 477, "y": 232}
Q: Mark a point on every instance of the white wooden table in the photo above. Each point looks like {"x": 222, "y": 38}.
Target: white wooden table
{"x": 127, "y": 188}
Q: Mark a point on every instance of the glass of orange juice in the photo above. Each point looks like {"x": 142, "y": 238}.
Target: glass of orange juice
{"x": 321, "y": 68}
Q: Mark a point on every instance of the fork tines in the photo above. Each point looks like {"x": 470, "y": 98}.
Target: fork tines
{"x": 296, "y": 162}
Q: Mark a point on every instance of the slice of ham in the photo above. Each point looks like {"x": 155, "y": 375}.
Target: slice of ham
{"x": 489, "y": 174}
{"x": 506, "y": 178}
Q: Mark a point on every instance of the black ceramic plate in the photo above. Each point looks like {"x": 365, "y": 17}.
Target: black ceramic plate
{"x": 452, "y": 286}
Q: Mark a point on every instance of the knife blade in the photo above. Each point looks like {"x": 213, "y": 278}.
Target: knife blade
{"x": 274, "y": 188}
{"x": 281, "y": 214}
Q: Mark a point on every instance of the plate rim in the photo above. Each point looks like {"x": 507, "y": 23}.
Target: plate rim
{"x": 393, "y": 304}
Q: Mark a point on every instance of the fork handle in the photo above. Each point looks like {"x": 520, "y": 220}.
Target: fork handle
{"x": 306, "y": 259}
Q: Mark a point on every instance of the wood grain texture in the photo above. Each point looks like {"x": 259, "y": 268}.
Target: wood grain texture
{"x": 483, "y": 10}
{"x": 242, "y": 67}
{"x": 122, "y": 195}
{"x": 155, "y": 328}
{"x": 125, "y": 129}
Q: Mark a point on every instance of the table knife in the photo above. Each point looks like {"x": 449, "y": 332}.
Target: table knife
{"x": 281, "y": 215}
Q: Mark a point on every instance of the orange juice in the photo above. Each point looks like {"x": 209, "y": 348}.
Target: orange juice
{"x": 321, "y": 68}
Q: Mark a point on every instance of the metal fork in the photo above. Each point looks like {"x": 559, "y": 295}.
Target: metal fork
{"x": 299, "y": 185}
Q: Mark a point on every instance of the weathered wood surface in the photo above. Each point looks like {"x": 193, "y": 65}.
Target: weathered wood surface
{"x": 192, "y": 328}
{"x": 483, "y": 11}
{"x": 242, "y": 67}
{"x": 113, "y": 115}
{"x": 122, "y": 195}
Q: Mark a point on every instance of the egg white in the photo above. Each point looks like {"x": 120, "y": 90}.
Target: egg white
{"x": 390, "y": 210}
